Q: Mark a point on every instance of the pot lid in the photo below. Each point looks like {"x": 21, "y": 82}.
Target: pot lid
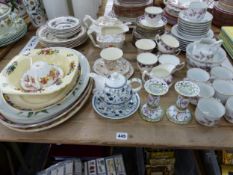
{"x": 115, "y": 80}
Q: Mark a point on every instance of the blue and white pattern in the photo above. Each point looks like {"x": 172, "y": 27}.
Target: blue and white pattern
{"x": 116, "y": 112}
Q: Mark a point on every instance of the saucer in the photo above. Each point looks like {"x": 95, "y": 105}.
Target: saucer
{"x": 161, "y": 23}
{"x": 116, "y": 112}
{"x": 178, "y": 116}
{"x": 208, "y": 17}
{"x": 151, "y": 114}
{"x": 156, "y": 87}
{"x": 187, "y": 88}
{"x": 123, "y": 67}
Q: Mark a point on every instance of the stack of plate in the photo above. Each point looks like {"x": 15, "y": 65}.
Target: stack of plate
{"x": 12, "y": 28}
{"x": 188, "y": 31}
{"x": 223, "y": 13}
{"x": 226, "y": 35}
{"x": 128, "y": 11}
{"x": 41, "y": 109}
{"x": 62, "y": 32}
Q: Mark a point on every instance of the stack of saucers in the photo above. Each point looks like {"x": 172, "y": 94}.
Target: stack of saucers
{"x": 12, "y": 28}
{"x": 147, "y": 28}
{"x": 43, "y": 88}
{"x": 190, "y": 29}
{"x": 62, "y": 32}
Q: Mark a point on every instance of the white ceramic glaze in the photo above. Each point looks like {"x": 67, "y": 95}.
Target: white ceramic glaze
{"x": 206, "y": 91}
{"x": 223, "y": 89}
{"x": 146, "y": 61}
{"x": 220, "y": 72}
{"x": 109, "y": 31}
{"x": 198, "y": 75}
{"x": 169, "y": 59}
{"x": 167, "y": 44}
{"x": 153, "y": 14}
{"x": 145, "y": 45}
{"x": 209, "y": 111}
{"x": 196, "y": 11}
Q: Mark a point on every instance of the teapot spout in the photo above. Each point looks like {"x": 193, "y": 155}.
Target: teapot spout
{"x": 99, "y": 81}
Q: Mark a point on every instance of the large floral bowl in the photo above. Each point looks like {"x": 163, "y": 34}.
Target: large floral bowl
{"x": 64, "y": 58}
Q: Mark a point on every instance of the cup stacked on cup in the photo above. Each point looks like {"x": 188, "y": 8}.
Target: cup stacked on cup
{"x": 150, "y": 24}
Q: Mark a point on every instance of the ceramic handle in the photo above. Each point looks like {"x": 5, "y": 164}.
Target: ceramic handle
{"x": 144, "y": 74}
{"x": 90, "y": 34}
{"x": 178, "y": 67}
{"x": 178, "y": 51}
{"x": 88, "y": 21}
{"x": 157, "y": 38}
{"x": 136, "y": 80}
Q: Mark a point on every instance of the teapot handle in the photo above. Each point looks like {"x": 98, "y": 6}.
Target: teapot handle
{"x": 88, "y": 21}
{"x": 136, "y": 80}
{"x": 90, "y": 34}
{"x": 144, "y": 74}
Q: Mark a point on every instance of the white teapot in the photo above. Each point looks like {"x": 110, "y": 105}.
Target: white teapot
{"x": 115, "y": 89}
{"x": 110, "y": 32}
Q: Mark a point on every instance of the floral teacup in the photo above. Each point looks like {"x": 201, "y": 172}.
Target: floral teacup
{"x": 167, "y": 44}
{"x": 196, "y": 11}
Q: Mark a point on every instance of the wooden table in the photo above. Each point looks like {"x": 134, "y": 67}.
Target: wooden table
{"x": 86, "y": 127}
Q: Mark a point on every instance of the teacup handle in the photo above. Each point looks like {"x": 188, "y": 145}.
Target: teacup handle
{"x": 157, "y": 38}
{"x": 136, "y": 80}
{"x": 178, "y": 67}
{"x": 178, "y": 51}
{"x": 144, "y": 74}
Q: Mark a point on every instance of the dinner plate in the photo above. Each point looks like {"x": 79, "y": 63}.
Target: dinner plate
{"x": 174, "y": 31}
{"x": 55, "y": 121}
{"x": 30, "y": 117}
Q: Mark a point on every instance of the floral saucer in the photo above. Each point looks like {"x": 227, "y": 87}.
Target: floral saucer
{"x": 156, "y": 87}
{"x": 115, "y": 112}
{"x": 123, "y": 67}
{"x": 187, "y": 88}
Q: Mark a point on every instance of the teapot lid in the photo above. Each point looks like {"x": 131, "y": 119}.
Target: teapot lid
{"x": 115, "y": 80}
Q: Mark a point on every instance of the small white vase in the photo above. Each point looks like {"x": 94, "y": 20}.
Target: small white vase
{"x": 87, "y": 7}
{"x": 56, "y": 8}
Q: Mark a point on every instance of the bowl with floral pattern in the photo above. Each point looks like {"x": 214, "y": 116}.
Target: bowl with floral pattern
{"x": 39, "y": 72}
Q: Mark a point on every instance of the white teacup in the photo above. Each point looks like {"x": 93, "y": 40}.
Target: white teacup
{"x": 222, "y": 73}
{"x": 169, "y": 59}
{"x": 196, "y": 11}
{"x": 206, "y": 91}
{"x": 223, "y": 89}
{"x": 153, "y": 14}
{"x": 229, "y": 110}
{"x": 197, "y": 75}
{"x": 110, "y": 56}
{"x": 167, "y": 44}
{"x": 145, "y": 45}
{"x": 209, "y": 111}
{"x": 146, "y": 61}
